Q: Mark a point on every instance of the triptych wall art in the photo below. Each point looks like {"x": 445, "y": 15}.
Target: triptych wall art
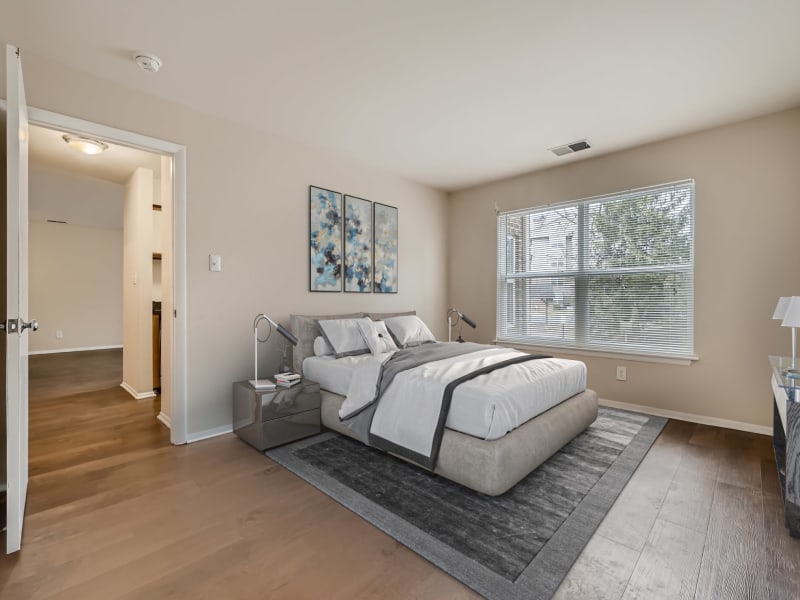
{"x": 353, "y": 244}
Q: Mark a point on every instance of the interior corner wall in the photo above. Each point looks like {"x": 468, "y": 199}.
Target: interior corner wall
{"x": 247, "y": 200}
{"x": 747, "y": 210}
{"x": 137, "y": 278}
{"x": 75, "y": 286}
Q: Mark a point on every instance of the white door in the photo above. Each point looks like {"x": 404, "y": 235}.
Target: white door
{"x": 16, "y": 300}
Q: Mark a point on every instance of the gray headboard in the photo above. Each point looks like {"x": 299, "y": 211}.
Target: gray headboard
{"x": 305, "y": 328}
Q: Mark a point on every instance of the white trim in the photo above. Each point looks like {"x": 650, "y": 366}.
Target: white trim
{"x": 180, "y": 352}
{"x": 68, "y": 124}
{"x": 46, "y": 118}
{"x": 690, "y": 417}
{"x": 87, "y": 349}
{"x": 164, "y": 418}
{"x": 663, "y": 360}
{"x": 209, "y": 433}
{"x": 135, "y": 394}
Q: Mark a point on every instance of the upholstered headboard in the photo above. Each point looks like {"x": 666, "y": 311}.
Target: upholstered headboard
{"x": 305, "y": 328}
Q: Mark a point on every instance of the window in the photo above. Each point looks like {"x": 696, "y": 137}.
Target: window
{"x": 613, "y": 273}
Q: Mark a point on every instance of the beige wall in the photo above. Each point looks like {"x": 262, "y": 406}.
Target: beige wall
{"x": 248, "y": 202}
{"x": 746, "y": 244}
{"x": 137, "y": 285}
{"x": 75, "y": 270}
{"x": 67, "y": 196}
{"x": 75, "y": 286}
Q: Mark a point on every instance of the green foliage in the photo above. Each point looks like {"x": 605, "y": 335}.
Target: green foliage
{"x": 650, "y": 231}
{"x": 641, "y": 231}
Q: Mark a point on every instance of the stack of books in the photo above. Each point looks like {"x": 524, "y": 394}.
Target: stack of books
{"x": 287, "y": 379}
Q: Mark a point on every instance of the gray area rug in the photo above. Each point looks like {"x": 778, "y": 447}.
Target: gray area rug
{"x": 517, "y": 545}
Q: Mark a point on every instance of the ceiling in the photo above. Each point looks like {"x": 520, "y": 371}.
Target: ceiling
{"x": 450, "y": 93}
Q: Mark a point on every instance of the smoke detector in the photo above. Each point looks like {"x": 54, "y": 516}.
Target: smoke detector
{"x": 148, "y": 62}
{"x": 570, "y": 148}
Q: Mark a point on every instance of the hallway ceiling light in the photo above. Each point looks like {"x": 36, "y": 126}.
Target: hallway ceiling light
{"x": 85, "y": 145}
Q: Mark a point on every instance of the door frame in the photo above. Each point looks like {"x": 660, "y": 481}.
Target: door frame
{"x": 52, "y": 120}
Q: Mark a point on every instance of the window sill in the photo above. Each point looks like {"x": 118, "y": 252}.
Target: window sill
{"x": 648, "y": 358}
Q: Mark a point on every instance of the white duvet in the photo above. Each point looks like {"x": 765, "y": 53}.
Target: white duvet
{"x": 487, "y": 407}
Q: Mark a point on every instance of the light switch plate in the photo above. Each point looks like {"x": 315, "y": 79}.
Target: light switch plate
{"x": 214, "y": 262}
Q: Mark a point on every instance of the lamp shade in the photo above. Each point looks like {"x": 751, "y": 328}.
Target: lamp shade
{"x": 792, "y": 316}
{"x": 780, "y": 308}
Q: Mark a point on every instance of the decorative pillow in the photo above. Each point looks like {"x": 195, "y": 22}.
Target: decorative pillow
{"x": 344, "y": 336}
{"x": 322, "y": 347}
{"x": 377, "y": 336}
{"x": 306, "y": 329}
{"x": 409, "y": 331}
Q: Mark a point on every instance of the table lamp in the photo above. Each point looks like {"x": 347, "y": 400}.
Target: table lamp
{"x": 791, "y": 318}
{"x": 780, "y": 308}
{"x": 451, "y": 323}
{"x": 266, "y": 383}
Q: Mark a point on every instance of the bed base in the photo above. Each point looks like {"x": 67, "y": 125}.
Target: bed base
{"x": 495, "y": 466}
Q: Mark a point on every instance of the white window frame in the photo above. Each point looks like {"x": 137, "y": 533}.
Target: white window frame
{"x": 513, "y": 333}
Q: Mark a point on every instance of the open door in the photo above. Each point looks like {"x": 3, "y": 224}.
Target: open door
{"x": 16, "y": 301}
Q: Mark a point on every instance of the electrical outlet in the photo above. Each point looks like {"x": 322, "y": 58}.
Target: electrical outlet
{"x": 622, "y": 374}
{"x": 59, "y": 334}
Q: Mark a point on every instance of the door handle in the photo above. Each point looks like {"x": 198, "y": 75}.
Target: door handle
{"x": 33, "y": 325}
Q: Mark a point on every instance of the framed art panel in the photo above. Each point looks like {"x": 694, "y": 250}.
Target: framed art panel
{"x": 357, "y": 245}
{"x": 325, "y": 235}
{"x": 385, "y": 249}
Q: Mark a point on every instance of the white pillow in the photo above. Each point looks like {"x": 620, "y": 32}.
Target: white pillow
{"x": 377, "y": 336}
{"x": 409, "y": 331}
{"x": 322, "y": 347}
{"x": 344, "y": 336}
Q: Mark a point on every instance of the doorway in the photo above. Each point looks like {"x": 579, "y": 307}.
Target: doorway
{"x": 173, "y": 348}
{"x": 96, "y": 240}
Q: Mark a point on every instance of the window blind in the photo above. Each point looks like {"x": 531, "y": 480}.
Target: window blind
{"x": 613, "y": 273}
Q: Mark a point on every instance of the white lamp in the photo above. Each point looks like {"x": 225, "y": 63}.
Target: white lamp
{"x": 780, "y": 308}
{"x": 791, "y": 318}
{"x": 261, "y": 384}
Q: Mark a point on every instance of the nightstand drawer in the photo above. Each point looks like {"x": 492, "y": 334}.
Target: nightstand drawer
{"x": 287, "y": 429}
{"x": 289, "y": 401}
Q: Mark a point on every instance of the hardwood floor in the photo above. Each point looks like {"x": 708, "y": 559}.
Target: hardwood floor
{"x": 114, "y": 511}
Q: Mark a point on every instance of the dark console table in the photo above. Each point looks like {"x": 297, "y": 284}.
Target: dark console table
{"x": 786, "y": 438}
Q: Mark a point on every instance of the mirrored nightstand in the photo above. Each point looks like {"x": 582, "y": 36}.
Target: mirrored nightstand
{"x": 268, "y": 418}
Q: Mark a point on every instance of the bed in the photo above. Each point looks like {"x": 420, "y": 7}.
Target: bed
{"x": 489, "y": 466}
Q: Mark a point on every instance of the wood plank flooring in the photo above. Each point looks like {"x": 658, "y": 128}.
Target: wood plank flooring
{"x": 114, "y": 511}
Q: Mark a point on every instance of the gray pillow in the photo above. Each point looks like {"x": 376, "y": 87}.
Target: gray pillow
{"x": 322, "y": 347}
{"x": 409, "y": 331}
{"x": 305, "y": 328}
{"x": 344, "y": 336}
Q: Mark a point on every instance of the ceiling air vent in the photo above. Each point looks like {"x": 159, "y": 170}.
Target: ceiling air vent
{"x": 570, "y": 148}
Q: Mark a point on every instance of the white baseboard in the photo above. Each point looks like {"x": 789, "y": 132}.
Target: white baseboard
{"x": 208, "y": 433}
{"x": 135, "y": 394}
{"x": 60, "y": 350}
{"x": 690, "y": 417}
{"x": 165, "y": 419}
